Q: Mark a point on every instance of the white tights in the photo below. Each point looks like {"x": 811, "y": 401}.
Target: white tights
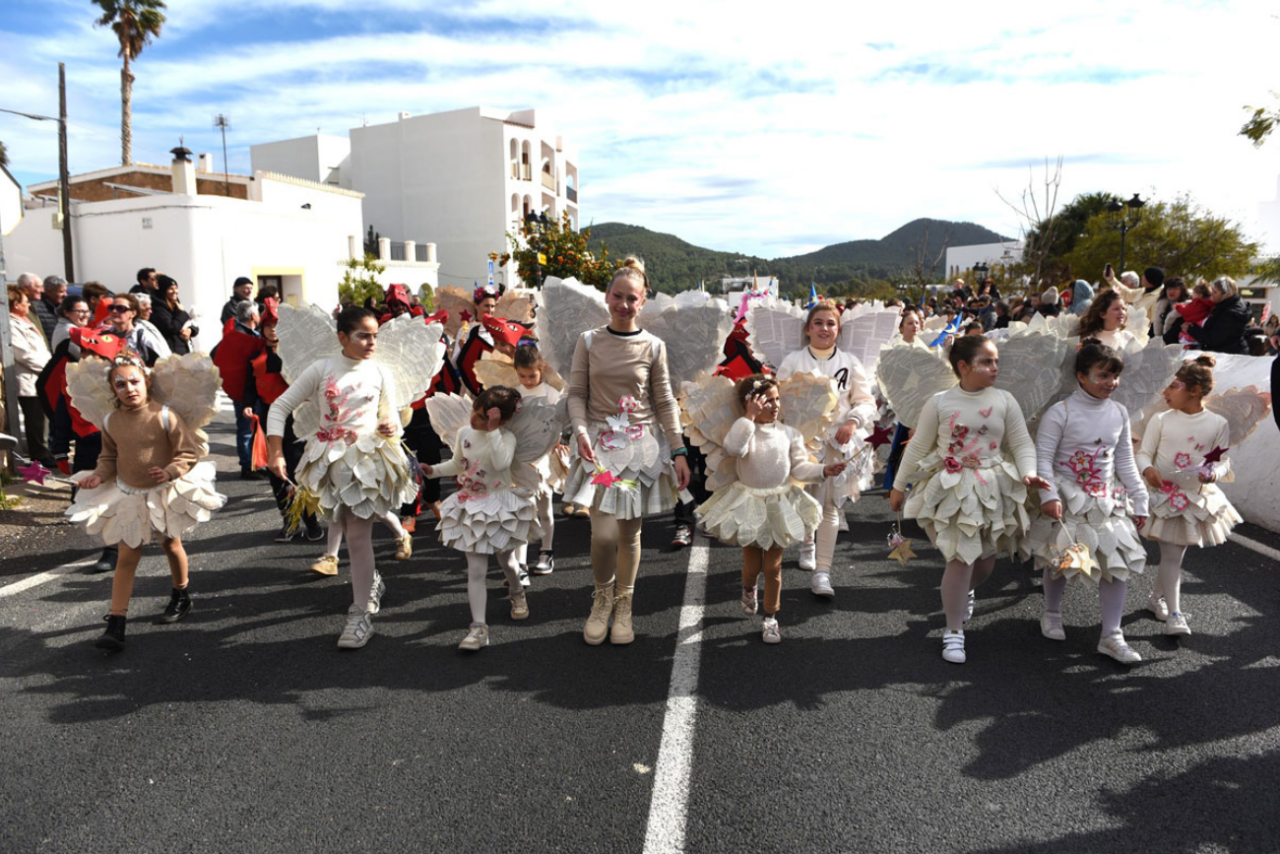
{"x": 359, "y": 533}
{"x": 547, "y": 521}
{"x": 477, "y": 569}
{"x": 1169, "y": 580}
{"x": 1111, "y": 596}
{"x": 825, "y": 537}
{"x": 958, "y": 579}
{"x": 334, "y": 543}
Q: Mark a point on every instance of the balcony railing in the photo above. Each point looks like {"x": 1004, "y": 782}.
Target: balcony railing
{"x": 397, "y": 251}
{"x": 571, "y": 193}
{"x": 548, "y": 180}
{"x": 515, "y": 170}
{"x": 421, "y": 252}
{"x": 526, "y": 171}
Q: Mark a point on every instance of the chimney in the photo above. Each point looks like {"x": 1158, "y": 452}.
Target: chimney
{"x": 184, "y": 172}
{"x": 206, "y": 163}
{"x": 405, "y": 115}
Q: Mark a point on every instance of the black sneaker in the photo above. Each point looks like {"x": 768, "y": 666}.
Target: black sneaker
{"x": 250, "y": 474}
{"x": 315, "y": 531}
{"x": 107, "y": 562}
{"x": 113, "y": 637}
{"x": 287, "y": 533}
{"x": 179, "y": 606}
{"x": 683, "y": 537}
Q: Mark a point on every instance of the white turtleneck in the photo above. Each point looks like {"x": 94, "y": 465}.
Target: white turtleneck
{"x": 1086, "y": 439}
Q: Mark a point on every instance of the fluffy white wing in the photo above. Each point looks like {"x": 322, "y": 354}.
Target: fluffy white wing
{"x": 774, "y": 329}
{"x": 307, "y": 335}
{"x": 189, "y": 385}
{"x": 1147, "y": 373}
{"x": 708, "y": 408}
{"x": 694, "y": 336}
{"x": 88, "y": 389}
{"x": 496, "y": 369}
{"x": 1244, "y": 408}
{"x": 1031, "y": 370}
{"x": 412, "y": 353}
{"x": 909, "y": 376}
{"x": 537, "y": 427}
{"x": 571, "y": 308}
{"x": 449, "y": 414}
{"x": 808, "y": 404}
{"x": 455, "y": 301}
{"x": 863, "y": 331}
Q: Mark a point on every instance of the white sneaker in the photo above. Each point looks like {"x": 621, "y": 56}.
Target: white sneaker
{"x": 477, "y": 637}
{"x": 375, "y": 593}
{"x": 1177, "y": 624}
{"x": 968, "y": 608}
{"x": 749, "y": 600}
{"x": 1158, "y": 607}
{"x": 771, "y": 633}
{"x": 1051, "y": 626}
{"x": 519, "y": 606}
{"x": 822, "y": 585}
{"x": 1114, "y": 645}
{"x": 522, "y": 572}
{"x": 808, "y": 557}
{"x": 953, "y": 647}
{"x": 358, "y": 630}
{"x": 546, "y": 564}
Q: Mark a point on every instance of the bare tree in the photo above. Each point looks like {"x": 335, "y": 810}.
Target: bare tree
{"x": 1037, "y": 218}
{"x": 922, "y": 269}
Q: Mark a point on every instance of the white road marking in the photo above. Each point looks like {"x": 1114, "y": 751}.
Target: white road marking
{"x": 41, "y": 577}
{"x": 669, "y": 806}
{"x": 1254, "y": 545}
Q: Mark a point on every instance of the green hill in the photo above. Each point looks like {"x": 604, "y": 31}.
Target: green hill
{"x": 675, "y": 264}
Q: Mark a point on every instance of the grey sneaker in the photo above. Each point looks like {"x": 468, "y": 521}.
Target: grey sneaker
{"x": 358, "y": 630}
{"x": 375, "y": 593}
{"x": 968, "y": 608}
{"x": 749, "y": 600}
{"x": 1051, "y": 626}
{"x": 546, "y": 564}
{"x": 477, "y": 638}
{"x": 770, "y": 632}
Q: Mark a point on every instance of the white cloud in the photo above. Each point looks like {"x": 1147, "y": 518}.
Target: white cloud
{"x": 753, "y": 127}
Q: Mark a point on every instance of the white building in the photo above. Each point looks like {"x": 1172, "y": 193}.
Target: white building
{"x": 961, "y": 259}
{"x": 10, "y": 202}
{"x": 464, "y": 178}
{"x": 293, "y": 233}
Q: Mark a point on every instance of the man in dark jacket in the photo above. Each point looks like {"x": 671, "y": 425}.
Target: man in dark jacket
{"x": 240, "y": 292}
{"x": 148, "y": 282}
{"x": 1223, "y": 329}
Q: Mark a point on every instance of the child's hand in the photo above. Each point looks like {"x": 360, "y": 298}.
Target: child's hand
{"x": 495, "y": 417}
{"x": 1152, "y": 476}
{"x": 845, "y": 433}
{"x": 276, "y": 466}
{"x": 426, "y": 469}
{"x": 387, "y": 428}
{"x": 157, "y": 474}
{"x": 91, "y": 482}
{"x": 896, "y": 498}
{"x": 1037, "y": 482}
{"x": 1207, "y": 477}
{"x": 834, "y": 470}
{"x": 584, "y": 448}
{"x": 1052, "y": 509}
{"x": 754, "y": 405}
{"x": 1139, "y": 521}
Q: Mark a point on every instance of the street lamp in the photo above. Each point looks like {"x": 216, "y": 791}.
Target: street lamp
{"x": 535, "y": 224}
{"x": 980, "y": 271}
{"x": 1124, "y": 221}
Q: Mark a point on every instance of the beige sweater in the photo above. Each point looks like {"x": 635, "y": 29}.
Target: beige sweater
{"x": 135, "y": 440}
{"x": 608, "y": 366}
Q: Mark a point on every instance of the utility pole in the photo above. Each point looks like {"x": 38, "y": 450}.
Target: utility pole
{"x": 223, "y": 122}
{"x": 64, "y": 178}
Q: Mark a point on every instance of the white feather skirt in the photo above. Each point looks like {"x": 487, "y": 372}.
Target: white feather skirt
{"x": 971, "y": 513}
{"x": 490, "y": 523}
{"x": 1196, "y": 516}
{"x": 120, "y": 513}
{"x": 1101, "y": 523}
{"x": 747, "y": 516}
{"x": 370, "y": 476}
{"x": 646, "y": 462}
{"x": 551, "y": 468}
{"x": 857, "y": 476}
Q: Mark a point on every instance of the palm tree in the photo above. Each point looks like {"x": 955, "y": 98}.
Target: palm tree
{"x": 4, "y": 155}
{"x": 135, "y": 22}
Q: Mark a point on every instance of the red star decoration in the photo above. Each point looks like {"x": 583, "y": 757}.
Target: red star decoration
{"x": 465, "y": 315}
{"x": 605, "y": 478}
{"x": 881, "y": 436}
{"x": 34, "y": 473}
{"x": 1215, "y": 455}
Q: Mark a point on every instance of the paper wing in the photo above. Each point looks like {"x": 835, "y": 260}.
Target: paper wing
{"x": 694, "y": 336}
{"x": 864, "y": 334}
{"x": 774, "y": 329}
{"x": 537, "y": 427}
{"x": 571, "y": 308}
{"x": 808, "y": 404}
{"x": 458, "y": 303}
{"x": 1031, "y": 370}
{"x": 88, "y": 389}
{"x": 517, "y": 306}
{"x": 708, "y": 408}
{"x": 412, "y": 353}
{"x": 449, "y": 414}
{"x": 1147, "y": 373}
{"x": 307, "y": 335}
{"x": 189, "y": 385}
{"x": 908, "y": 377}
{"x": 1244, "y": 408}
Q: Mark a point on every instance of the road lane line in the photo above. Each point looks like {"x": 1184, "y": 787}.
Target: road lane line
{"x": 669, "y": 805}
{"x": 1254, "y": 545}
{"x": 42, "y": 577}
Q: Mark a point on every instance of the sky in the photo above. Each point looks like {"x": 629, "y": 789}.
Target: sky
{"x": 768, "y": 129}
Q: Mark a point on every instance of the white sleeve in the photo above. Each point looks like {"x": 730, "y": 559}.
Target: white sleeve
{"x": 305, "y": 387}
{"x": 922, "y": 443}
{"x": 1052, "y": 426}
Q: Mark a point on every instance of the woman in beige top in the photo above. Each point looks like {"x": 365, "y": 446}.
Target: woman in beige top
{"x": 30, "y": 353}
{"x": 630, "y": 456}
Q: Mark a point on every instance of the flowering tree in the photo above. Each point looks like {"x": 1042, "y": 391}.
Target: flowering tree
{"x": 563, "y": 252}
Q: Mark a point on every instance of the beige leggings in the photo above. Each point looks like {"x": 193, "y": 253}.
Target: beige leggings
{"x": 615, "y": 551}
{"x": 127, "y": 568}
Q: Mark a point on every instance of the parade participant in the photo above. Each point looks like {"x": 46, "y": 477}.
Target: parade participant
{"x": 909, "y": 336}
{"x": 1104, "y": 321}
{"x": 764, "y": 510}
{"x": 479, "y": 340}
{"x": 856, "y": 412}
{"x": 619, "y": 392}
{"x": 421, "y": 436}
{"x": 149, "y": 478}
{"x": 138, "y": 337}
{"x": 1085, "y": 453}
{"x": 1182, "y": 459}
{"x": 969, "y": 465}
{"x": 530, "y": 368}
{"x": 241, "y": 343}
{"x": 486, "y": 516}
{"x": 352, "y": 464}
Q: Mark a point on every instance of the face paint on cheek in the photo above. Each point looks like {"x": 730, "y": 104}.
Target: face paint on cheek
{"x": 1177, "y": 385}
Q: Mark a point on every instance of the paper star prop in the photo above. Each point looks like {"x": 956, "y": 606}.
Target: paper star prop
{"x": 34, "y": 473}
{"x": 608, "y": 479}
{"x": 1076, "y": 557}
{"x": 465, "y": 315}
{"x": 1215, "y": 455}
{"x": 901, "y": 548}
{"x": 880, "y": 436}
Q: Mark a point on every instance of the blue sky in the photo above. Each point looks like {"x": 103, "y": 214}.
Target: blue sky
{"x": 759, "y": 128}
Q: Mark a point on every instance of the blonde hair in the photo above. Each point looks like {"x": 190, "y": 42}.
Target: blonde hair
{"x": 1225, "y": 285}
{"x": 822, "y": 305}
{"x": 631, "y": 267}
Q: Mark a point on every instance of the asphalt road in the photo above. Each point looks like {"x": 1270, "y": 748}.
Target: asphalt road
{"x": 243, "y": 728}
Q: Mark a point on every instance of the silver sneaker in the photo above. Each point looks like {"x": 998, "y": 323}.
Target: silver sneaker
{"x": 749, "y": 600}
{"x": 477, "y": 638}
{"x": 358, "y": 630}
{"x": 968, "y": 608}
{"x": 375, "y": 593}
{"x": 546, "y": 564}
{"x": 771, "y": 633}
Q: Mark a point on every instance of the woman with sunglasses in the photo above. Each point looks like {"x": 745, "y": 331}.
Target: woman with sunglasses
{"x": 139, "y": 338}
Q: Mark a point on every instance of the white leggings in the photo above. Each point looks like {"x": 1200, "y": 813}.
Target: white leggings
{"x": 334, "y": 543}
{"x": 477, "y": 569}
{"x": 1111, "y": 596}
{"x": 359, "y": 533}
{"x": 957, "y": 580}
{"x": 1169, "y": 579}
{"x": 547, "y": 520}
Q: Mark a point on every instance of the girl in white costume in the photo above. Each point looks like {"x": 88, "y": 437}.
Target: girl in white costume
{"x": 765, "y": 509}
{"x": 1105, "y": 322}
{"x": 969, "y": 465}
{"x": 149, "y": 478}
{"x": 1182, "y": 458}
{"x": 486, "y": 516}
{"x": 531, "y": 369}
{"x": 1085, "y": 453}
{"x": 353, "y": 463}
{"x": 629, "y": 461}
{"x": 856, "y": 411}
